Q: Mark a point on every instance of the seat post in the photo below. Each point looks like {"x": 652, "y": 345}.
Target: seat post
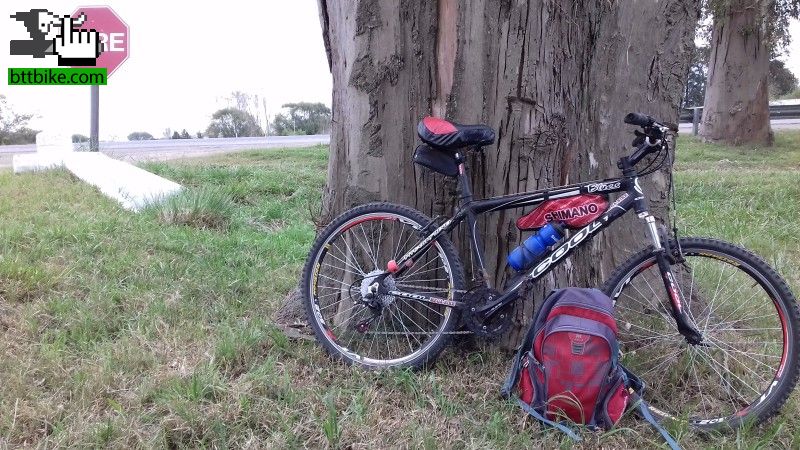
{"x": 465, "y": 197}
{"x": 464, "y": 189}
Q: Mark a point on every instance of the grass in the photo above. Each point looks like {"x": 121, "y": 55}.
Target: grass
{"x": 154, "y": 329}
{"x": 197, "y": 207}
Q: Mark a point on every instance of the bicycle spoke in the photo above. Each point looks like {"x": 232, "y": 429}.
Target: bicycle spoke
{"x": 344, "y": 270}
{"x": 407, "y": 331}
{"x": 700, "y": 350}
{"x": 418, "y": 268}
{"x": 738, "y": 307}
{"x": 750, "y": 355}
{"x": 373, "y": 251}
{"x": 714, "y": 298}
{"x": 712, "y": 363}
{"x": 743, "y": 337}
{"x": 699, "y": 385}
{"x": 660, "y": 304}
{"x": 411, "y": 305}
{"x": 416, "y": 274}
{"x": 360, "y": 271}
{"x": 383, "y": 322}
{"x": 364, "y": 246}
{"x": 350, "y": 251}
{"x": 404, "y": 328}
{"x": 666, "y": 359}
{"x": 425, "y": 304}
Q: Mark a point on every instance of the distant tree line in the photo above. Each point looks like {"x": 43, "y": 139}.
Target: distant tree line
{"x": 14, "y": 128}
{"x": 246, "y": 116}
{"x": 140, "y": 136}
{"x": 303, "y": 118}
{"x": 233, "y": 122}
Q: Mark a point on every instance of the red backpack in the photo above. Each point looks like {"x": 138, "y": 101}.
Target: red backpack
{"x": 567, "y": 367}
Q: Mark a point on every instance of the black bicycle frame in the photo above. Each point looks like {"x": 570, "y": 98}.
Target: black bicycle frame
{"x": 631, "y": 199}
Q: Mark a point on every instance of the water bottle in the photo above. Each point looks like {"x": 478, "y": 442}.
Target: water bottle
{"x": 534, "y": 247}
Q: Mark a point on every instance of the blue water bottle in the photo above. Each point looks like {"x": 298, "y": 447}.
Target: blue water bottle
{"x": 534, "y": 247}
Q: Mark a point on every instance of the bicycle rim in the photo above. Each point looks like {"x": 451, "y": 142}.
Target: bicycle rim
{"x": 399, "y": 331}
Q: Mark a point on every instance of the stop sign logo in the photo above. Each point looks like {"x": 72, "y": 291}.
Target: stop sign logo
{"x": 114, "y": 35}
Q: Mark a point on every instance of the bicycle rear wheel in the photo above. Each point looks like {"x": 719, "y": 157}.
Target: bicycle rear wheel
{"x": 746, "y": 366}
{"x": 345, "y": 259}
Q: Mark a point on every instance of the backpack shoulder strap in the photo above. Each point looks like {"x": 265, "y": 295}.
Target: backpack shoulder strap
{"x": 636, "y": 386}
{"x": 536, "y": 415}
{"x": 644, "y": 411}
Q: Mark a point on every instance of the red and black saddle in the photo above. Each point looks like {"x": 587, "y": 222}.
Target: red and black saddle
{"x": 442, "y": 134}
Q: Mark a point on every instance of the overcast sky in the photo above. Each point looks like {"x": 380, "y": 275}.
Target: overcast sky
{"x": 185, "y": 59}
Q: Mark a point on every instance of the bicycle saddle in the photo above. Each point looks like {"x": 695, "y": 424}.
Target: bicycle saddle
{"x": 441, "y": 134}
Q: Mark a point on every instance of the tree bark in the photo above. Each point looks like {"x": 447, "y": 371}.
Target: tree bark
{"x": 736, "y": 106}
{"x": 554, "y": 79}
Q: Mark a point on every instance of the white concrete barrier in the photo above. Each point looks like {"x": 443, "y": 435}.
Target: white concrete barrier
{"x": 32, "y": 162}
{"x": 51, "y": 149}
{"x": 132, "y": 187}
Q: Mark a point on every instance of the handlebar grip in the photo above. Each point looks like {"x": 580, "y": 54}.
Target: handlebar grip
{"x": 643, "y": 120}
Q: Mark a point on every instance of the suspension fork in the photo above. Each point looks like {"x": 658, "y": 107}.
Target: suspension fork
{"x": 685, "y": 326}
{"x": 682, "y": 320}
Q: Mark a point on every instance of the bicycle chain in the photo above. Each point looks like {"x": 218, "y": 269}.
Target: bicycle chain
{"x": 417, "y": 332}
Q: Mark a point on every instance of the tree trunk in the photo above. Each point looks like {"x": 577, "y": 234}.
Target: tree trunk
{"x": 554, "y": 79}
{"x": 736, "y": 106}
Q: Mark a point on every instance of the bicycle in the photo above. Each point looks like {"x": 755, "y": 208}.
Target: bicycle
{"x": 710, "y": 326}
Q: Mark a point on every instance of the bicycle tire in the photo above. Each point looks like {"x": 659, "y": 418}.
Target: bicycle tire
{"x": 779, "y": 293}
{"x": 438, "y": 341}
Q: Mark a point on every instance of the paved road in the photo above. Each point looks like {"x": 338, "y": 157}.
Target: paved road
{"x": 158, "y": 150}
{"x": 777, "y": 124}
{"x": 164, "y": 149}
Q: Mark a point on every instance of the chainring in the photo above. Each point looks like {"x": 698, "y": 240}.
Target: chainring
{"x": 492, "y": 328}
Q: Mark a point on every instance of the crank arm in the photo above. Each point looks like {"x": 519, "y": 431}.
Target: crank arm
{"x": 490, "y": 309}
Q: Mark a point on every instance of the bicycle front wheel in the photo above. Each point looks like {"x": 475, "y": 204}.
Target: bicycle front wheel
{"x": 746, "y": 366}
{"x": 346, "y": 259}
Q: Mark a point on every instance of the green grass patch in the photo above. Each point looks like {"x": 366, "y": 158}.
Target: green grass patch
{"x": 199, "y": 207}
{"x": 154, "y": 330}
{"x": 693, "y": 154}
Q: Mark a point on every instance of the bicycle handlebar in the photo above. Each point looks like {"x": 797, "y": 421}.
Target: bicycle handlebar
{"x": 649, "y": 141}
{"x": 644, "y": 121}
